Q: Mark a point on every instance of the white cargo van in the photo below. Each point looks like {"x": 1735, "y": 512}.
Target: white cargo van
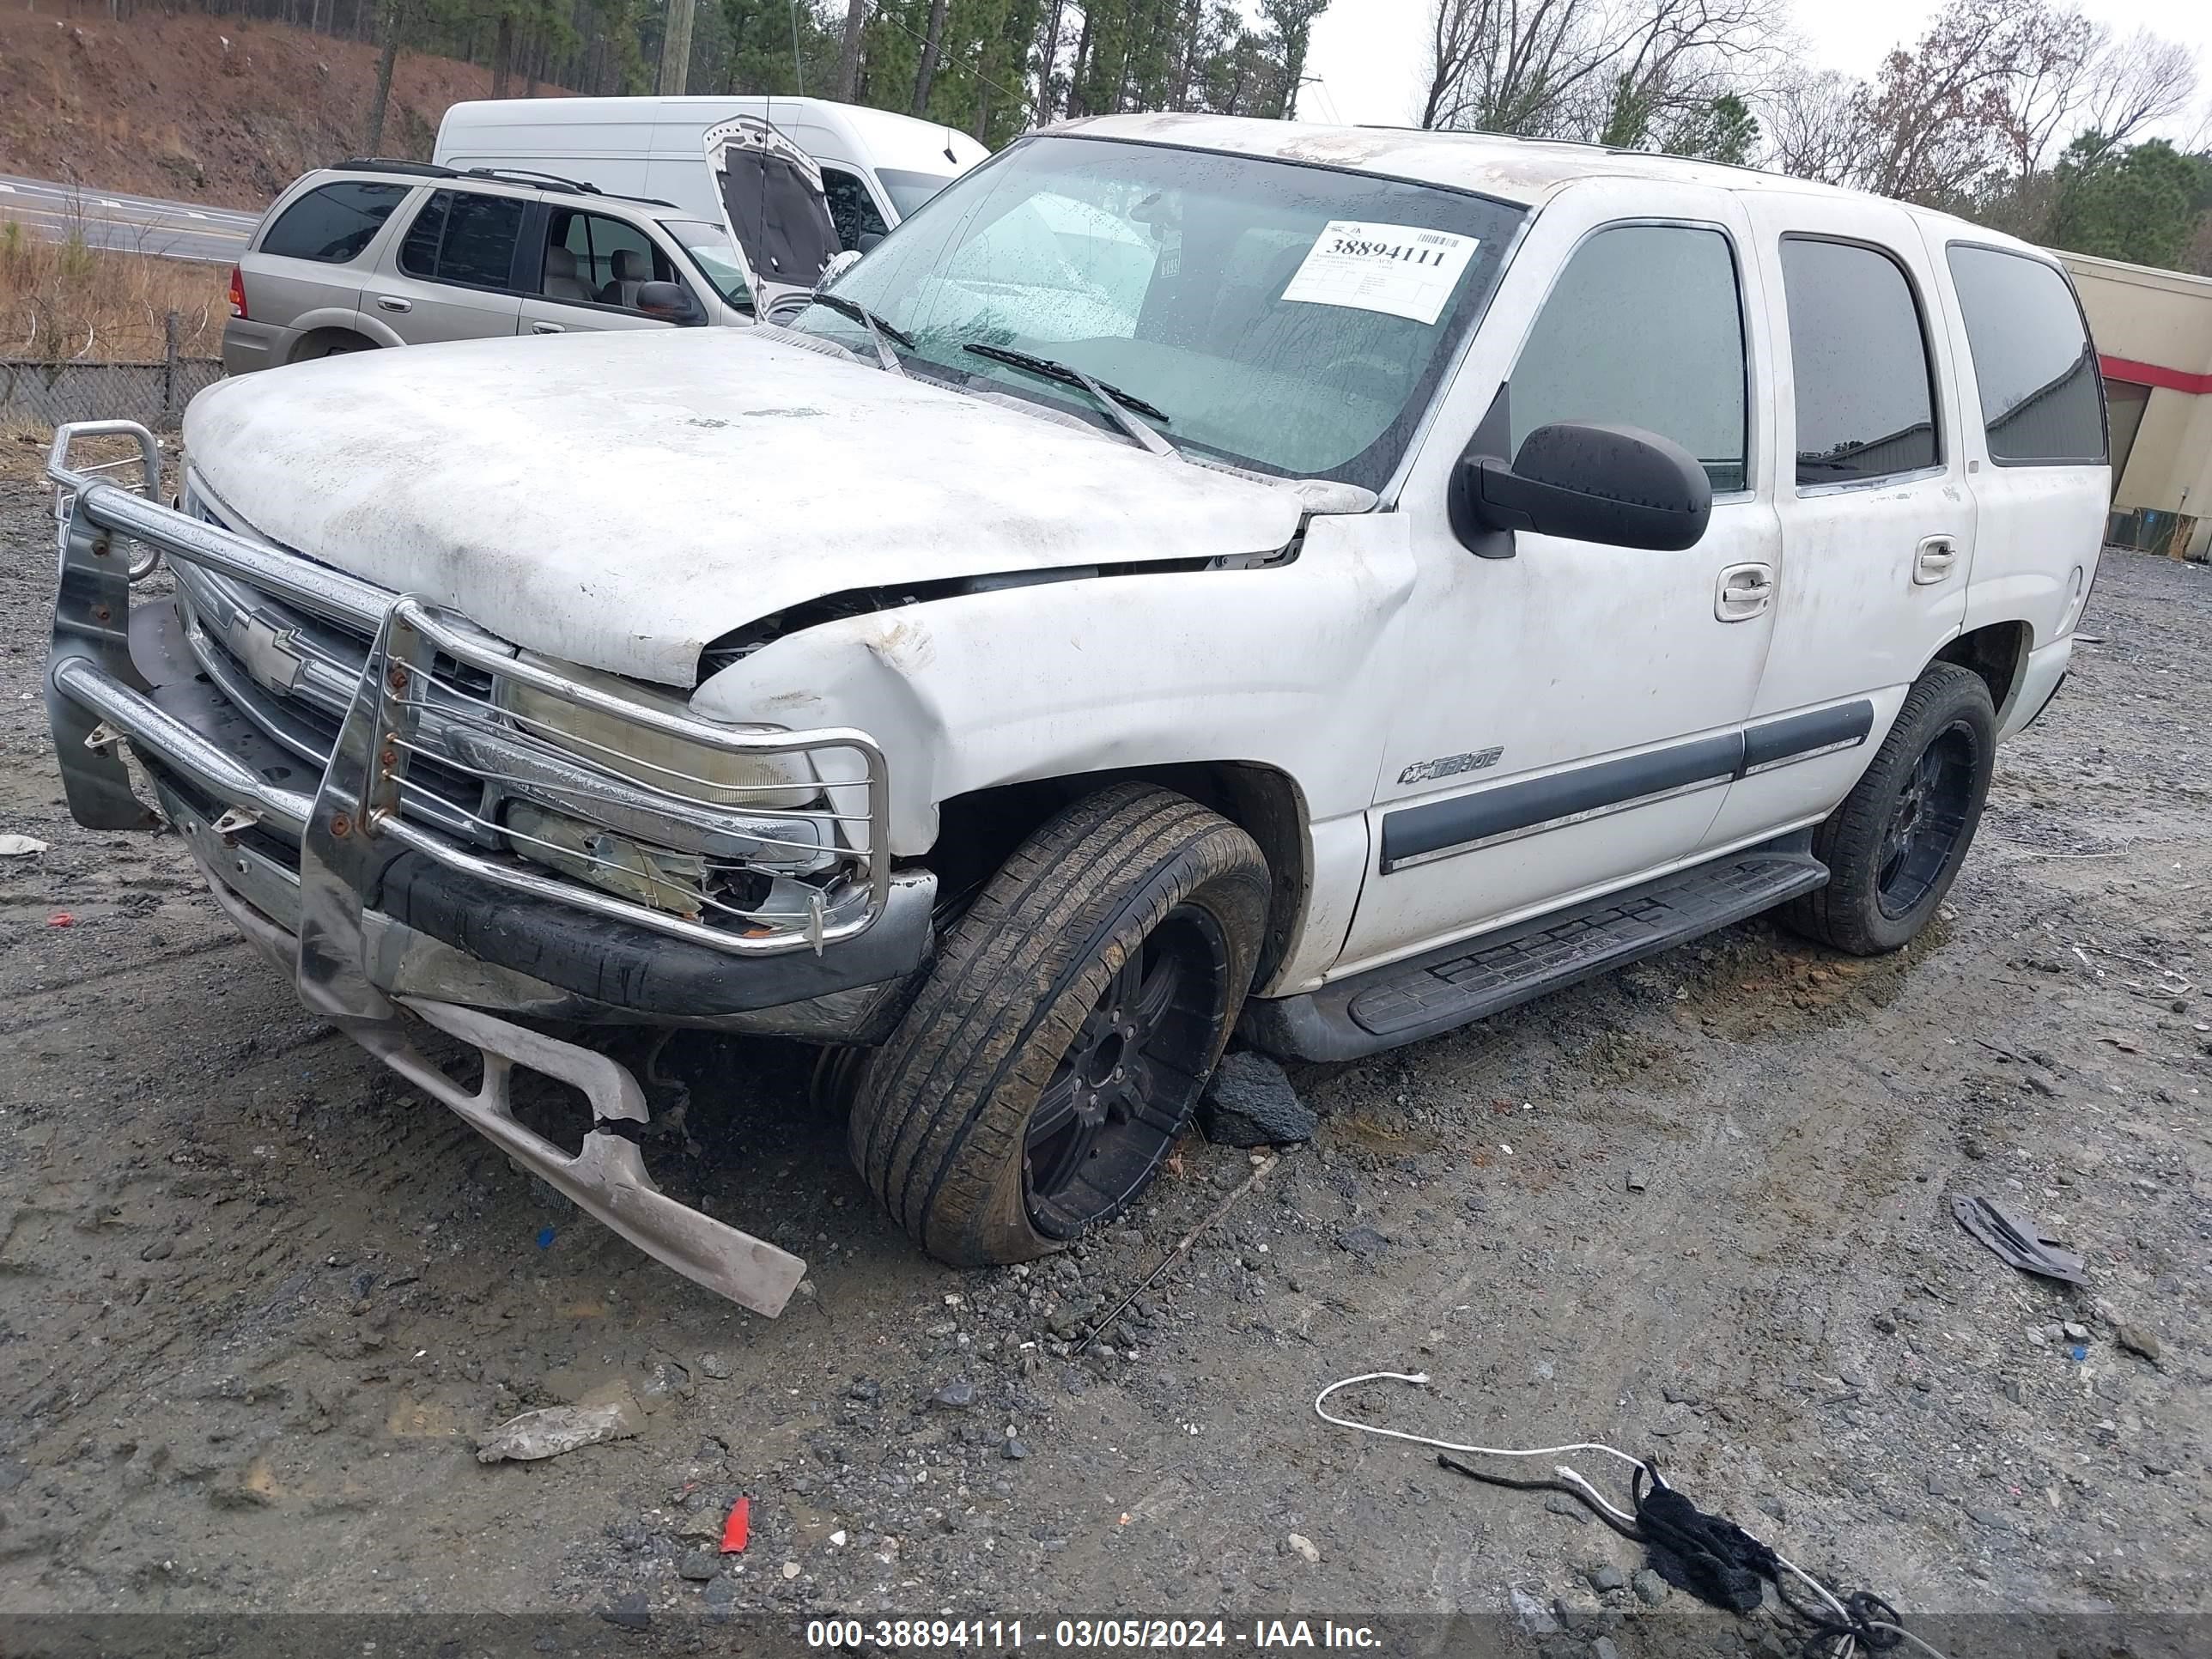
{"x": 877, "y": 166}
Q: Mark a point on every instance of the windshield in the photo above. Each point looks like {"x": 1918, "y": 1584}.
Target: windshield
{"x": 1292, "y": 318}
{"x": 710, "y": 250}
{"x": 908, "y": 190}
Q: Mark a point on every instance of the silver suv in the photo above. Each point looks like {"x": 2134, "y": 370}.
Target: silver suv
{"x": 386, "y": 253}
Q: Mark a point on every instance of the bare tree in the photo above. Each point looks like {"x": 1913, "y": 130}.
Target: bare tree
{"x": 1680, "y": 55}
{"x": 1512, "y": 66}
{"x": 2052, "y": 74}
{"x": 1614, "y": 71}
{"x": 2137, "y": 82}
{"x": 1944, "y": 109}
{"x": 1819, "y": 125}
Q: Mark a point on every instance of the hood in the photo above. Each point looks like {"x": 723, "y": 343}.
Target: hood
{"x": 773, "y": 206}
{"x": 619, "y": 500}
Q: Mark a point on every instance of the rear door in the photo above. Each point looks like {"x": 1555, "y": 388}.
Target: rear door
{"x": 454, "y": 276}
{"x": 2034, "y": 434}
{"x": 306, "y": 271}
{"x": 1878, "y": 520}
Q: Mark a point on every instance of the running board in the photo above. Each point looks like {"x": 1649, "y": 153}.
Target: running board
{"x": 1474, "y": 978}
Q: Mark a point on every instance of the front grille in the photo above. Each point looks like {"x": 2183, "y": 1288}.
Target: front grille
{"x": 755, "y": 860}
{"x": 305, "y": 721}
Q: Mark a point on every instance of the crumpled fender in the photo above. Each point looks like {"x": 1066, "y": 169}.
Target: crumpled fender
{"x": 1278, "y": 666}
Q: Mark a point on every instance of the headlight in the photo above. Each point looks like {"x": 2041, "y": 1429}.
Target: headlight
{"x": 694, "y": 771}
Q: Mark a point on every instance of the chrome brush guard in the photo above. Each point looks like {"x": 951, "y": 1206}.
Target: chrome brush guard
{"x": 416, "y": 720}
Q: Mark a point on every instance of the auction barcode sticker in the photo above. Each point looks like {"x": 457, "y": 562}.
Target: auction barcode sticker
{"x": 1402, "y": 269}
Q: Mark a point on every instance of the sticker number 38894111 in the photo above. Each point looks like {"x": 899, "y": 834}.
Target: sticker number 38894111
{"x": 1403, "y": 270}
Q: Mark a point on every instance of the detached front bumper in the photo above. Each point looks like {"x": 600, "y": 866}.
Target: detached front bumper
{"x": 352, "y": 876}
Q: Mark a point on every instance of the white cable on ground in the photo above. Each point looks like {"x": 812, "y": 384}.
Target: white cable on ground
{"x": 1421, "y": 1379}
{"x": 1562, "y": 1470}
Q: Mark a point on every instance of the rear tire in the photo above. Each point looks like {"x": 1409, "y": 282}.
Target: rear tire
{"x": 1040, "y": 1076}
{"x": 1895, "y": 845}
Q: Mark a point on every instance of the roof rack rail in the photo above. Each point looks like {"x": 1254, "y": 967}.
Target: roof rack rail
{"x": 526, "y": 176}
{"x": 522, "y": 176}
{"x": 393, "y": 164}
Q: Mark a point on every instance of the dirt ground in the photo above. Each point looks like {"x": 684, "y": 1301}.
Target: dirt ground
{"x": 201, "y": 108}
{"x": 256, "y": 1297}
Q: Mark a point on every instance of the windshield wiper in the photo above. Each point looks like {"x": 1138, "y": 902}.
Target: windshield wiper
{"x": 876, "y": 327}
{"x": 1122, "y": 406}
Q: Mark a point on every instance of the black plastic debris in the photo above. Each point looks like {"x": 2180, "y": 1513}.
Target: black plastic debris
{"x": 2016, "y": 1237}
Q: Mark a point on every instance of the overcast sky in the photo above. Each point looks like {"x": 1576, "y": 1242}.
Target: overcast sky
{"x": 1372, "y": 55}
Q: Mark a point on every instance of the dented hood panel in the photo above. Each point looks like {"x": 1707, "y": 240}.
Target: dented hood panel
{"x": 619, "y": 500}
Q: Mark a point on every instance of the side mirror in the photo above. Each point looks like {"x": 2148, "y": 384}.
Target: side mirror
{"x": 869, "y": 240}
{"x": 839, "y": 265}
{"x": 1618, "y": 485}
{"x": 672, "y": 303}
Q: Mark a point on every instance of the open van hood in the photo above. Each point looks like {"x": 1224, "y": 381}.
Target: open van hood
{"x": 773, "y": 206}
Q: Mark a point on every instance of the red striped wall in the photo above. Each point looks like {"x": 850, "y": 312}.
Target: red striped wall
{"x": 2173, "y": 380}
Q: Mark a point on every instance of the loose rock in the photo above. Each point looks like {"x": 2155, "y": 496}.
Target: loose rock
{"x": 2138, "y": 1339}
{"x": 1304, "y": 1547}
{"x": 955, "y": 1396}
{"x": 1650, "y": 1589}
{"x": 1362, "y": 1242}
{"x": 714, "y": 1365}
{"x": 1249, "y": 1103}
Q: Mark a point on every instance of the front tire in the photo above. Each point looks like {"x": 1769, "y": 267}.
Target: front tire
{"x": 1056, "y": 1050}
{"x": 1895, "y": 845}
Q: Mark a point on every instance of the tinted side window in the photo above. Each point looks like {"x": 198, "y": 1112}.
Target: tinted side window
{"x": 1644, "y": 328}
{"x": 418, "y": 252}
{"x": 332, "y": 223}
{"x": 2032, "y": 359}
{"x": 1865, "y": 403}
{"x": 852, "y": 210}
{"x": 462, "y": 238}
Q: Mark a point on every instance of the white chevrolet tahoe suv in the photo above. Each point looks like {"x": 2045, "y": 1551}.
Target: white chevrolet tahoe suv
{"x": 1196, "y": 576}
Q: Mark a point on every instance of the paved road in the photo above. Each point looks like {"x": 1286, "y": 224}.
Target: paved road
{"x": 131, "y": 224}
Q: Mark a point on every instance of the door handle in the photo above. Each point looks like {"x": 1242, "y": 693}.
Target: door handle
{"x": 1745, "y": 591}
{"x": 546, "y": 328}
{"x": 1933, "y": 560}
{"x": 393, "y": 302}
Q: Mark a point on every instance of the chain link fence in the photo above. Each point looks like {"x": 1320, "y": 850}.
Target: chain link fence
{"x": 47, "y": 393}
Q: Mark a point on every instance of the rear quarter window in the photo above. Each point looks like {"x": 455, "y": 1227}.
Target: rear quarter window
{"x": 332, "y": 224}
{"x": 2033, "y": 362}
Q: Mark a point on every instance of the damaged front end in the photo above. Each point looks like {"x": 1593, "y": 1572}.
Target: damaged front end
{"x": 420, "y": 823}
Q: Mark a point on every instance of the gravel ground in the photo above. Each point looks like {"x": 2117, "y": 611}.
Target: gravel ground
{"x": 256, "y": 1297}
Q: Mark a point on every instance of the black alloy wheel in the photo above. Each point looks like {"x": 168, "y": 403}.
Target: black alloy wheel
{"x": 1896, "y": 844}
{"x": 1128, "y": 1083}
{"x": 1931, "y": 814}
